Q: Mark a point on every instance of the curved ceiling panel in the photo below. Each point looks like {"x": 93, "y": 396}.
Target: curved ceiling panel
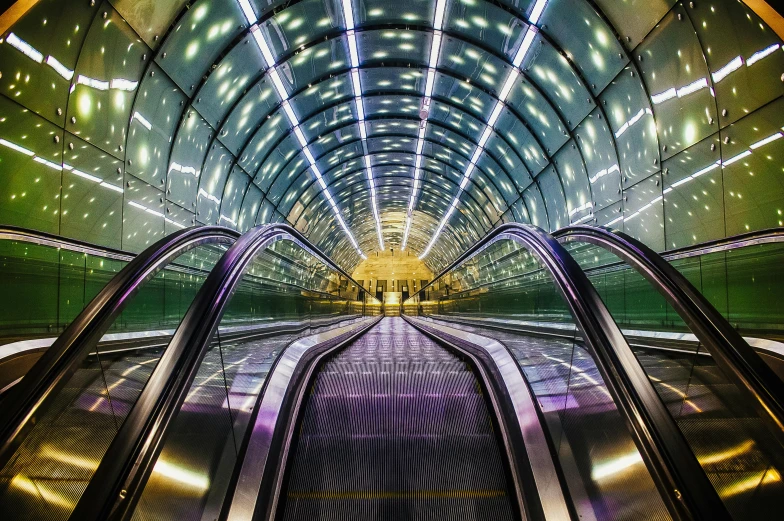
{"x": 420, "y": 125}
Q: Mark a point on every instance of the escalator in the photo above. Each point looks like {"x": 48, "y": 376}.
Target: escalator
{"x": 396, "y": 427}
{"x": 277, "y": 396}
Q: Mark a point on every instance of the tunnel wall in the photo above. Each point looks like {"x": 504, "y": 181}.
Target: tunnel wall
{"x": 123, "y": 121}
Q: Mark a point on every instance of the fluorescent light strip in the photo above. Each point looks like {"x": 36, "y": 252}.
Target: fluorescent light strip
{"x": 356, "y": 85}
{"x": 258, "y": 36}
{"x": 352, "y": 49}
{"x": 519, "y": 57}
{"x": 528, "y": 39}
{"x": 247, "y": 10}
{"x": 438, "y": 16}
{"x": 536, "y": 12}
{"x": 434, "y": 54}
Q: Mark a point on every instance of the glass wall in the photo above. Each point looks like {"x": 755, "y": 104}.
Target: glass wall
{"x": 285, "y": 294}
{"x": 505, "y": 293}
{"x": 52, "y": 285}
{"x": 742, "y": 283}
{"x": 505, "y": 289}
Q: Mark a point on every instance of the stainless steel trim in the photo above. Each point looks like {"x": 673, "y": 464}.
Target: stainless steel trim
{"x": 246, "y": 493}
{"x": 772, "y": 236}
{"x": 536, "y": 446}
{"x": 43, "y": 239}
{"x": 681, "y": 480}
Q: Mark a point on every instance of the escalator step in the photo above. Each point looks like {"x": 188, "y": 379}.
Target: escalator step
{"x": 395, "y": 427}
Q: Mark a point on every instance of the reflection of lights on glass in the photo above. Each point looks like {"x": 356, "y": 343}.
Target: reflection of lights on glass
{"x": 765, "y": 141}
{"x": 61, "y": 69}
{"x": 92, "y": 82}
{"x": 141, "y": 119}
{"x": 24, "y": 47}
{"x": 734, "y": 64}
{"x": 227, "y": 219}
{"x": 582, "y": 207}
{"x": 45, "y": 162}
{"x": 122, "y": 84}
{"x": 176, "y": 167}
{"x": 41, "y": 490}
{"x": 692, "y": 87}
{"x": 604, "y": 172}
{"x": 634, "y": 119}
{"x": 208, "y": 196}
{"x": 757, "y": 56}
{"x": 717, "y": 457}
{"x": 745, "y": 153}
{"x": 71, "y": 459}
{"x": 764, "y": 478}
{"x": 14, "y": 146}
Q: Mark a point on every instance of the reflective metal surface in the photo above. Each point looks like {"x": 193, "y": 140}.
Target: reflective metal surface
{"x": 536, "y": 445}
{"x": 245, "y": 497}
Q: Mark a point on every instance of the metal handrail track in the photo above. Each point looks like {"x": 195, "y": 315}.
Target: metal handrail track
{"x": 117, "y": 484}
{"x": 685, "y": 488}
{"x": 734, "y": 356}
{"x": 28, "y": 399}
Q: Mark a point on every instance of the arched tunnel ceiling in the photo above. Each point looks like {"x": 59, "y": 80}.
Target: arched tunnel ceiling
{"x": 424, "y": 122}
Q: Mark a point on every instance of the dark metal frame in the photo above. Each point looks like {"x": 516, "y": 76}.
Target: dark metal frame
{"x": 734, "y": 356}
{"x": 28, "y": 399}
{"x": 685, "y": 488}
{"x": 117, "y": 483}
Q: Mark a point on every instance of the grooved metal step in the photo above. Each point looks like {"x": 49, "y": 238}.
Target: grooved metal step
{"x": 395, "y": 427}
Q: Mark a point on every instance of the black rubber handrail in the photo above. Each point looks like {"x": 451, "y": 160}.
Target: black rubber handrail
{"x": 685, "y": 488}
{"x": 117, "y": 483}
{"x": 27, "y": 400}
{"x": 734, "y": 356}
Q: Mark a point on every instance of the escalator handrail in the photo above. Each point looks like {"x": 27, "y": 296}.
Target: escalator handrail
{"x": 734, "y": 356}
{"x": 15, "y": 233}
{"x": 28, "y": 398}
{"x": 681, "y": 480}
{"x": 117, "y": 483}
